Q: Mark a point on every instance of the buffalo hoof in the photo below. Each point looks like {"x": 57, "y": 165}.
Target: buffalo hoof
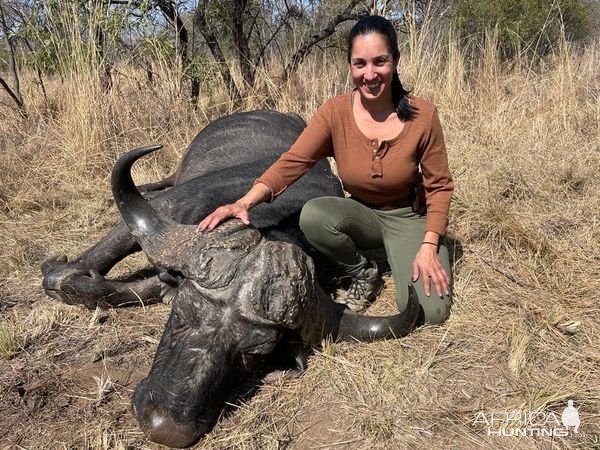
{"x": 60, "y": 279}
{"x": 54, "y": 263}
{"x": 76, "y": 286}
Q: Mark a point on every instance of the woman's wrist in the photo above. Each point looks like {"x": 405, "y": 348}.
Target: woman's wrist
{"x": 431, "y": 238}
{"x": 259, "y": 193}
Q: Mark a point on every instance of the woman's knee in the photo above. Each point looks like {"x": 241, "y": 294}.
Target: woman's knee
{"x": 433, "y": 309}
{"x": 436, "y": 311}
{"x": 316, "y": 214}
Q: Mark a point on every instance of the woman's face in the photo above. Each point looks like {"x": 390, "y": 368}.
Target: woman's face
{"x": 372, "y": 66}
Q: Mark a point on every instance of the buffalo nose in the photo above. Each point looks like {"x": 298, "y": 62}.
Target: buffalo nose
{"x": 162, "y": 429}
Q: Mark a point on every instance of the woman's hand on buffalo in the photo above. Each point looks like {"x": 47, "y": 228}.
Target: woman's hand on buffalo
{"x": 222, "y": 213}
{"x": 240, "y": 209}
{"x": 428, "y": 266}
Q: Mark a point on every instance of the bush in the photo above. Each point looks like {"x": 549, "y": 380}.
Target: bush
{"x": 532, "y": 26}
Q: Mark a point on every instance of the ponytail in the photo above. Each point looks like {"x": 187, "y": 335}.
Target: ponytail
{"x": 400, "y": 100}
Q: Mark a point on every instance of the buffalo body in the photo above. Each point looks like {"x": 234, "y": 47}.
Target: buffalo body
{"x": 237, "y": 292}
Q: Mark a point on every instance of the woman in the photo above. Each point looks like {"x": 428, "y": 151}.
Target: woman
{"x": 379, "y": 136}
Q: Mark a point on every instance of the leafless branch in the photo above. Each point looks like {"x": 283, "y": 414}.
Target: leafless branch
{"x": 16, "y": 99}
{"x": 14, "y": 92}
{"x": 305, "y": 48}
{"x": 503, "y": 271}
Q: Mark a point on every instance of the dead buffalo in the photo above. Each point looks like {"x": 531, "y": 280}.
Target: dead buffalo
{"x": 237, "y": 292}
{"x": 237, "y": 295}
{"x": 218, "y": 167}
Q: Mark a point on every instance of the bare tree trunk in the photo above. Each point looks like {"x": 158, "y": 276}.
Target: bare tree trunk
{"x": 213, "y": 44}
{"x": 241, "y": 41}
{"x": 306, "y": 46}
{"x": 169, "y": 10}
{"x": 106, "y": 81}
{"x": 39, "y": 73}
{"x": 15, "y": 91}
{"x": 260, "y": 58}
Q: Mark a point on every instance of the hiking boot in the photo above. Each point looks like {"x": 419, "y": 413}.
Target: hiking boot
{"x": 363, "y": 290}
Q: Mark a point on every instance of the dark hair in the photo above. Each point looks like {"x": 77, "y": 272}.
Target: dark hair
{"x": 378, "y": 24}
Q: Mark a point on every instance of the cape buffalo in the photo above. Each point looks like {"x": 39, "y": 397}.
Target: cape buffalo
{"x": 218, "y": 167}
{"x": 237, "y": 292}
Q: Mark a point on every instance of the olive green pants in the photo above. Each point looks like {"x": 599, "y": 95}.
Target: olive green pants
{"x": 341, "y": 227}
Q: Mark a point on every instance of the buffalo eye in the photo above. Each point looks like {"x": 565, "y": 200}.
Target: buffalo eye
{"x": 178, "y": 326}
{"x": 252, "y": 361}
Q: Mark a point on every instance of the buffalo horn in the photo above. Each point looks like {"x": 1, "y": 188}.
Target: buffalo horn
{"x": 360, "y": 327}
{"x": 143, "y": 221}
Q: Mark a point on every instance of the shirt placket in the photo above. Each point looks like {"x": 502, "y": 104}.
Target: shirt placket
{"x": 378, "y": 152}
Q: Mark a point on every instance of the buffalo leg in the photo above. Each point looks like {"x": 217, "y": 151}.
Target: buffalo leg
{"x": 82, "y": 280}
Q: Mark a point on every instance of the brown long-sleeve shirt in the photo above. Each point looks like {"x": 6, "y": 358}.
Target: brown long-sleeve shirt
{"x": 378, "y": 173}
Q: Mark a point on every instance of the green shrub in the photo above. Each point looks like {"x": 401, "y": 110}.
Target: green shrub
{"x": 533, "y": 26}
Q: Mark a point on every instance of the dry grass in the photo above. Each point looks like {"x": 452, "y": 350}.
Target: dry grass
{"x": 524, "y": 146}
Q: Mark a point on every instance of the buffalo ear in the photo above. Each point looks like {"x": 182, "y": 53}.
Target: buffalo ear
{"x": 170, "y": 282}
{"x": 170, "y": 277}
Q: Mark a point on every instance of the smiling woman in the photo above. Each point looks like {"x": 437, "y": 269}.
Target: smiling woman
{"x": 372, "y": 67}
{"x": 388, "y": 145}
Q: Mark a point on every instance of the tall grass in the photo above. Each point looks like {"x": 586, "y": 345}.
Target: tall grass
{"x": 523, "y": 139}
